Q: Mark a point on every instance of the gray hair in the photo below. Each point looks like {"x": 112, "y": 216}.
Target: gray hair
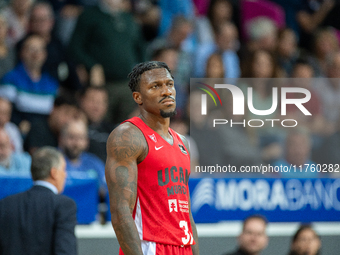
{"x": 43, "y": 160}
{"x": 260, "y": 27}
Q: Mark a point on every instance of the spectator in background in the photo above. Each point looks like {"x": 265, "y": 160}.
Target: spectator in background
{"x": 287, "y": 51}
{"x": 94, "y": 103}
{"x": 305, "y": 242}
{"x": 239, "y": 148}
{"x": 262, "y": 33}
{"x": 297, "y": 153}
{"x": 329, "y": 92}
{"x": 108, "y": 43}
{"x": 324, "y": 46}
{"x": 219, "y": 12}
{"x": 39, "y": 221}
{"x": 253, "y": 238}
{"x": 226, "y": 44}
{"x": 303, "y": 73}
{"x": 215, "y": 66}
{"x": 46, "y": 131}
{"x": 177, "y": 38}
{"x": 11, "y": 162}
{"x": 73, "y": 143}
{"x": 148, "y": 14}
{"x": 172, "y": 9}
{"x": 42, "y": 22}
{"x": 7, "y": 54}
{"x": 11, "y": 129}
{"x": 168, "y": 55}
{"x": 310, "y": 16}
{"x": 262, "y": 65}
{"x": 328, "y": 152}
{"x": 17, "y": 16}
{"x": 210, "y": 148}
{"x": 67, "y": 12}
{"x": 31, "y": 91}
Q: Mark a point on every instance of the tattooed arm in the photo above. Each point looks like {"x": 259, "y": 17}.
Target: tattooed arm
{"x": 194, "y": 248}
{"x": 126, "y": 146}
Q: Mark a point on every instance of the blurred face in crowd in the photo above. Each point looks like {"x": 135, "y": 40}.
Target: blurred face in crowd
{"x": 226, "y": 37}
{"x": 180, "y": 33}
{"x": 170, "y": 57}
{"x": 21, "y": 7}
{"x": 215, "y": 68}
{"x": 41, "y": 21}
{"x": 262, "y": 65}
{"x": 287, "y": 43}
{"x": 325, "y": 44}
{"x": 303, "y": 71}
{"x": 222, "y": 11}
{"x": 74, "y": 139}
{"x": 5, "y": 111}
{"x": 3, "y": 29}
{"x": 94, "y": 103}
{"x": 307, "y": 243}
{"x": 334, "y": 67}
{"x": 298, "y": 148}
{"x": 5, "y": 148}
{"x": 33, "y": 52}
{"x": 253, "y": 238}
{"x": 114, "y": 5}
{"x": 268, "y": 42}
{"x": 61, "y": 115}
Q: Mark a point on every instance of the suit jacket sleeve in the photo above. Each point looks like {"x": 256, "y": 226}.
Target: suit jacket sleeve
{"x": 65, "y": 242}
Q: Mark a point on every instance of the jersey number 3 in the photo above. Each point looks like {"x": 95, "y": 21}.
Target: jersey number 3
{"x": 188, "y": 236}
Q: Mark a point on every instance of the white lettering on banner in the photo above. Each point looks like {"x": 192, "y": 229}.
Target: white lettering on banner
{"x": 293, "y": 195}
{"x": 246, "y": 195}
{"x": 278, "y": 198}
{"x": 336, "y": 186}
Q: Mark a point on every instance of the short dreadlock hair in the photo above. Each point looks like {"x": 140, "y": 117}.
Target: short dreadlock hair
{"x": 140, "y": 68}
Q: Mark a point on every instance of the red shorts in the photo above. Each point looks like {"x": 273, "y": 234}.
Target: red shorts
{"x": 152, "y": 248}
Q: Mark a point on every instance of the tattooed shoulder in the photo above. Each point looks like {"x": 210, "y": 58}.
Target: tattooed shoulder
{"x": 126, "y": 142}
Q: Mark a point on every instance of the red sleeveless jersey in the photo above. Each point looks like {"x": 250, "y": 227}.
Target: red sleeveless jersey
{"x": 161, "y": 211}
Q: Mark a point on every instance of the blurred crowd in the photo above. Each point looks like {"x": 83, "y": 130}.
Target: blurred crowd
{"x": 64, "y": 67}
{"x": 253, "y": 239}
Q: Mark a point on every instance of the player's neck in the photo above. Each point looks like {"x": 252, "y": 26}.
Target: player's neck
{"x": 156, "y": 123}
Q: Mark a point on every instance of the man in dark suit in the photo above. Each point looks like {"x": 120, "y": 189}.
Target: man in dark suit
{"x": 39, "y": 221}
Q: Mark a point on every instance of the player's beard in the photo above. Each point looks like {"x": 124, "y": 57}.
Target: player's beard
{"x": 165, "y": 114}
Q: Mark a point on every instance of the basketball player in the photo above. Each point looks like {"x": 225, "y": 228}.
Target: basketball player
{"x": 147, "y": 171}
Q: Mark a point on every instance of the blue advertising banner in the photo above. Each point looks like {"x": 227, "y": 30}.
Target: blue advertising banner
{"x": 280, "y": 200}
